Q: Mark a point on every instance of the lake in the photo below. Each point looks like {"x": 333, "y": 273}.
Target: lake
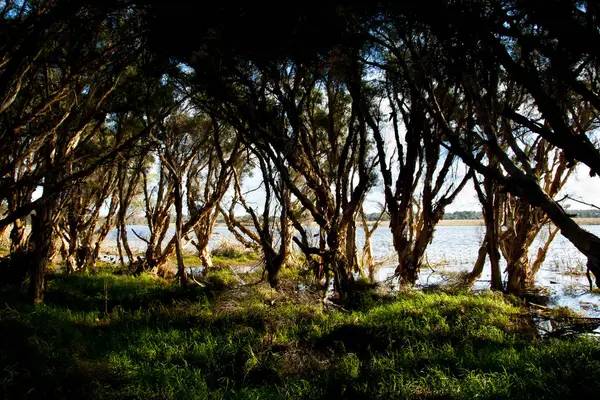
{"x": 454, "y": 249}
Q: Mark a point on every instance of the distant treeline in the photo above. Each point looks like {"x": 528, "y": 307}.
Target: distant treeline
{"x": 458, "y": 215}
{"x": 462, "y": 215}
{"x": 371, "y": 217}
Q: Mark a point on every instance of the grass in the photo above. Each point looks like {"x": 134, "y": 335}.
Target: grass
{"x": 579, "y": 268}
{"x": 250, "y": 342}
{"x": 4, "y": 244}
{"x": 229, "y": 250}
{"x": 226, "y": 253}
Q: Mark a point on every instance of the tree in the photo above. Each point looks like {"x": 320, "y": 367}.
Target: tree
{"x": 310, "y": 123}
{"x": 367, "y": 260}
{"x": 273, "y": 221}
{"x": 209, "y": 178}
{"x": 469, "y": 53}
{"x": 425, "y": 184}
{"x": 78, "y": 223}
{"x": 56, "y": 101}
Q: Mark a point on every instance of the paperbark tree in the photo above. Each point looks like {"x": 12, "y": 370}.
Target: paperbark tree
{"x": 367, "y": 260}
{"x": 311, "y": 123}
{"x": 274, "y": 220}
{"x": 55, "y": 99}
{"x": 77, "y": 224}
{"x": 427, "y": 180}
{"x": 477, "y": 80}
{"x": 209, "y": 178}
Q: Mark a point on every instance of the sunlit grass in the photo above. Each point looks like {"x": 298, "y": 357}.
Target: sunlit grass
{"x": 228, "y": 340}
{"x": 4, "y": 244}
{"x": 225, "y": 253}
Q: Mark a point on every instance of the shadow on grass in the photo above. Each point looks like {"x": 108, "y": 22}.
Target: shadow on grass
{"x": 89, "y": 293}
{"x": 160, "y": 341}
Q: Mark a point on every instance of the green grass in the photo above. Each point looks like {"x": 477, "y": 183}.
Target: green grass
{"x": 219, "y": 261}
{"x": 228, "y": 250}
{"x": 4, "y": 245}
{"x": 226, "y": 253}
{"x": 250, "y": 342}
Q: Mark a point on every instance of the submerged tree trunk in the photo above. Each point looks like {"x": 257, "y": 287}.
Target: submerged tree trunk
{"x": 367, "y": 259}
{"x": 479, "y": 263}
{"x": 539, "y": 260}
{"x": 489, "y": 197}
{"x": 406, "y": 270}
{"x": 494, "y": 254}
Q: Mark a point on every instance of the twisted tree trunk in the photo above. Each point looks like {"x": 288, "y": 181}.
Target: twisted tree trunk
{"x": 41, "y": 248}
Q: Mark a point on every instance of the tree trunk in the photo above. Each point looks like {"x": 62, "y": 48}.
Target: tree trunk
{"x": 203, "y": 230}
{"x": 367, "y": 258}
{"x": 86, "y": 249}
{"x": 181, "y": 273}
{"x": 418, "y": 252}
{"x": 479, "y": 263}
{"x": 124, "y": 240}
{"x": 491, "y": 207}
{"x": 104, "y": 230}
{"x": 539, "y": 260}
{"x": 321, "y": 269}
{"x": 516, "y": 276}
{"x": 71, "y": 262}
{"x": 273, "y": 264}
{"x": 40, "y": 250}
{"x": 405, "y": 270}
{"x": 351, "y": 247}
{"x": 343, "y": 278}
{"x": 17, "y": 238}
{"x": 519, "y": 184}
{"x": 586, "y": 242}
{"x": 494, "y": 254}
{"x": 206, "y": 258}
{"x": 16, "y": 271}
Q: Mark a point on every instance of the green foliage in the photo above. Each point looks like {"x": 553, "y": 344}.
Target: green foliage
{"x": 160, "y": 341}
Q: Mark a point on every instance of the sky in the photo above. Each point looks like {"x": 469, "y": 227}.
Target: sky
{"x": 580, "y": 186}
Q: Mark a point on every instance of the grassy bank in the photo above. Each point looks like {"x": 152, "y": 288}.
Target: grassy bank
{"x": 108, "y": 336}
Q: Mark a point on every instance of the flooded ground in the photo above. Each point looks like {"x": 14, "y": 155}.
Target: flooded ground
{"x": 453, "y": 251}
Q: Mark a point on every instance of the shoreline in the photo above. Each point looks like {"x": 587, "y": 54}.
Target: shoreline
{"x": 444, "y": 222}
{"x": 480, "y": 222}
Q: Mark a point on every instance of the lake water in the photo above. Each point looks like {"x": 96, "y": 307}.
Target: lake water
{"x": 453, "y": 250}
